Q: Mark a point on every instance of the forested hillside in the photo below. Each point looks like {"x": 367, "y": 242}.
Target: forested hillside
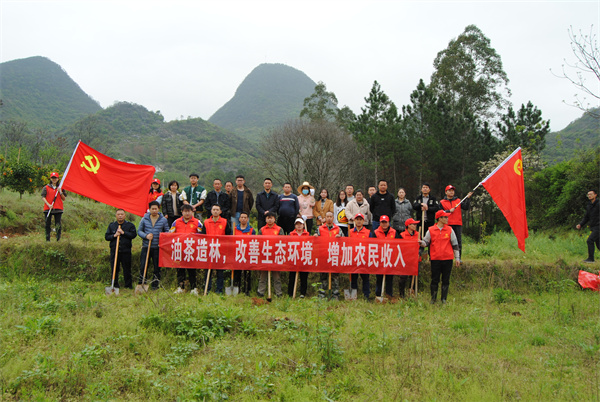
{"x": 39, "y": 92}
{"x": 131, "y": 132}
{"x": 581, "y": 134}
{"x": 268, "y": 96}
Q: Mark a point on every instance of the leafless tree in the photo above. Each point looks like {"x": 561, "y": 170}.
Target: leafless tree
{"x": 320, "y": 152}
{"x": 585, "y": 66}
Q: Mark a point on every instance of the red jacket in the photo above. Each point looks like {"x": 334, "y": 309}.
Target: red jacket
{"x": 362, "y": 234}
{"x": 440, "y": 247}
{"x": 455, "y": 217}
{"x": 325, "y": 232}
{"x": 191, "y": 226}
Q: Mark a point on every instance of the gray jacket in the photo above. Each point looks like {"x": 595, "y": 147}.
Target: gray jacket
{"x": 403, "y": 212}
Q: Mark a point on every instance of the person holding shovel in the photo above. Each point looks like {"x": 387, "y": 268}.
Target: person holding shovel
{"x": 426, "y": 205}
{"x": 411, "y": 233}
{"x": 186, "y": 224}
{"x": 385, "y": 231}
{"x": 329, "y": 229}
{"x": 151, "y": 226}
{"x": 244, "y": 229}
{"x": 270, "y": 229}
{"x": 360, "y": 231}
{"x": 218, "y": 226}
{"x": 299, "y": 230}
{"x": 443, "y": 247}
{"x": 124, "y": 230}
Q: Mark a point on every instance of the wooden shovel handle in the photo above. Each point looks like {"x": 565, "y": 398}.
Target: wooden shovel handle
{"x": 146, "y": 265}
{"x": 207, "y": 282}
{"x": 295, "y": 284}
{"x": 116, "y": 259}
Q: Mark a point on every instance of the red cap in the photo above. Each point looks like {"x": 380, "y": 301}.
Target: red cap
{"x": 156, "y": 181}
{"x": 359, "y": 215}
{"x": 410, "y": 221}
{"x": 450, "y": 187}
{"x": 441, "y": 213}
{"x": 54, "y": 174}
{"x": 384, "y": 218}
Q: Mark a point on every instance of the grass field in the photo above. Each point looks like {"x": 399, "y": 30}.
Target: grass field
{"x": 516, "y": 327}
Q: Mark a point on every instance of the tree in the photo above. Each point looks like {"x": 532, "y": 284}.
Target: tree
{"x": 586, "y": 65}
{"x": 319, "y": 152}
{"x": 375, "y": 129}
{"x": 22, "y": 177}
{"x": 525, "y": 129}
{"x": 321, "y": 105}
{"x": 469, "y": 74}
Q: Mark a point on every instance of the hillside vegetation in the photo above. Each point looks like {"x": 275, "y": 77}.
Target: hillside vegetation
{"x": 268, "y": 96}
{"x": 39, "y": 92}
{"x": 580, "y": 135}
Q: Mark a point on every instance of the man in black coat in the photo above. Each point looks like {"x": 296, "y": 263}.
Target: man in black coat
{"x": 426, "y": 203}
{"x": 591, "y": 216}
{"x": 219, "y": 197}
{"x": 266, "y": 201}
{"x": 381, "y": 203}
{"x": 126, "y": 231}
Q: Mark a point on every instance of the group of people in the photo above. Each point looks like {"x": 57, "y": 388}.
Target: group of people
{"x": 353, "y": 213}
{"x": 225, "y": 210}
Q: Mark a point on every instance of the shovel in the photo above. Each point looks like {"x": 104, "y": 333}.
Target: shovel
{"x": 329, "y": 287}
{"x": 380, "y": 298}
{"x": 269, "y": 287}
{"x": 232, "y": 290}
{"x": 350, "y": 294}
{"x": 207, "y": 282}
{"x": 143, "y": 288}
{"x": 112, "y": 290}
{"x": 295, "y": 285}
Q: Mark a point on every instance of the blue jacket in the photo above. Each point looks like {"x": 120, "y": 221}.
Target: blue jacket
{"x": 146, "y": 228}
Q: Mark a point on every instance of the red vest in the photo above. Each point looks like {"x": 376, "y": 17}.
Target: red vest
{"x": 267, "y": 231}
{"x": 440, "y": 247}
{"x": 153, "y": 196}
{"x": 191, "y": 226}
{"x": 379, "y": 233}
{"x": 455, "y": 217}
{"x": 58, "y": 204}
{"x": 294, "y": 233}
{"x": 240, "y": 233}
{"x": 407, "y": 236}
{"x": 324, "y": 231}
{"x": 215, "y": 228}
{"x": 362, "y": 234}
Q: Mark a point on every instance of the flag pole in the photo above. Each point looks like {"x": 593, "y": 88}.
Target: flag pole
{"x": 63, "y": 179}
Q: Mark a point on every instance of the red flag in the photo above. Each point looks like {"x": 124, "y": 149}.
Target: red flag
{"x": 96, "y": 176}
{"x": 507, "y": 187}
{"x": 587, "y": 280}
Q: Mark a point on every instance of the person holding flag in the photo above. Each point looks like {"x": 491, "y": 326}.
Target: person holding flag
{"x": 443, "y": 247}
{"x": 53, "y": 197}
{"x": 454, "y": 206}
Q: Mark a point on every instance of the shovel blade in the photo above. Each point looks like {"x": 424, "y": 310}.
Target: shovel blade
{"x": 140, "y": 289}
{"x": 350, "y": 294}
{"x": 228, "y": 291}
{"x": 236, "y": 290}
{"x": 110, "y": 291}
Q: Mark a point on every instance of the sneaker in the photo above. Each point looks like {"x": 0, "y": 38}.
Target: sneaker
{"x": 178, "y": 291}
{"x": 302, "y": 296}
{"x": 194, "y": 292}
{"x": 588, "y": 261}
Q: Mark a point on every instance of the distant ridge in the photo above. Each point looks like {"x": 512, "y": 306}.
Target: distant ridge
{"x": 581, "y": 134}
{"x": 38, "y": 91}
{"x": 269, "y": 95}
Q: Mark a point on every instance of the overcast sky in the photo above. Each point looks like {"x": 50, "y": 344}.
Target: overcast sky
{"x": 186, "y": 58}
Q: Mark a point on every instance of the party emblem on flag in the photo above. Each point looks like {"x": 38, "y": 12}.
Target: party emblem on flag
{"x": 92, "y": 167}
{"x": 519, "y": 167}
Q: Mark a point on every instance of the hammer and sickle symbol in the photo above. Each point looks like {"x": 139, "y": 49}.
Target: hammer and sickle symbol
{"x": 518, "y": 167}
{"x": 92, "y": 167}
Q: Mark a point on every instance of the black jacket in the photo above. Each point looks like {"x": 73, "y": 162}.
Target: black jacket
{"x": 382, "y": 204}
{"x": 222, "y": 200}
{"x": 433, "y": 206}
{"x": 126, "y": 238}
{"x": 591, "y": 214}
{"x": 167, "y": 204}
{"x": 264, "y": 203}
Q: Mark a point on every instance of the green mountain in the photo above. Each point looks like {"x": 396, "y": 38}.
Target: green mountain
{"x": 581, "y": 134}
{"x": 130, "y": 132}
{"x": 38, "y": 91}
{"x": 268, "y": 96}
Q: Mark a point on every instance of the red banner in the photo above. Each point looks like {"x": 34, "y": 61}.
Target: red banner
{"x": 101, "y": 178}
{"x": 287, "y": 253}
